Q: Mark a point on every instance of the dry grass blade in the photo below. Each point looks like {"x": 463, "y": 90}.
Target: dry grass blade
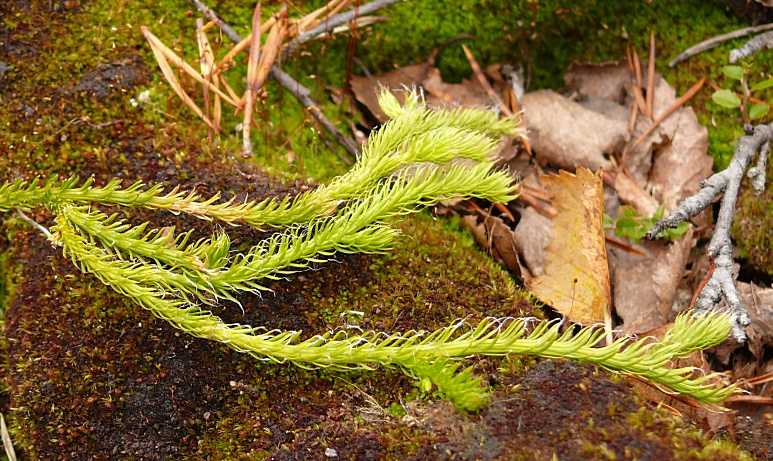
{"x": 230, "y": 90}
{"x": 159, "y": 49}
{"x": 485, "y": 84}
{"x": 207, "y": 60}
{"x": 637, "y": 88}
{"x": 686, "y": 97}
{"x": 156, "y": 46}
{"x": 359, "y": 22}
{"x": 7, "y": 445}
{"x": 309, "y": 21}
{"x": 271, "y": 50}
{"x": 252, "y": 76}
{"x": 651, "y": 76}
{"x": 241, "y": 46}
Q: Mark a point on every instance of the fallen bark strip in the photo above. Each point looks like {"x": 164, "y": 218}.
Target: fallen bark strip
{"x": 726, "y": 183}
{"x": 301, "y": 93}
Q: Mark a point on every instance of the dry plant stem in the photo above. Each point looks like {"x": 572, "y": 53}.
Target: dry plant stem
{"x": 329, "y": 24}
{"x": 727, "y": 182}
{"x": 301, "y": 93}
{"x": 485, "y": 84}
{"x": 251, "y": 92}
{"x": 711, "y": 43}
{"x": 651, "y": 76}
{"x": 751, "y": 47}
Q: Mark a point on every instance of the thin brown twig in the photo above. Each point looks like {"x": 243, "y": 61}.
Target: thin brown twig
{"x": 484, "y": 82}
{"x": 678, "y": 103}
{"x": 651, "y": 77}
{"x": 703, "y": 282}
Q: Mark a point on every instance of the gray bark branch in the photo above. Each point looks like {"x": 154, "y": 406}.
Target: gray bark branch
{"x": 753, "y": 46}
{"x": 715, "y": 41}
{"x": 727, "y": 182}
{"x": 340, "y": 19}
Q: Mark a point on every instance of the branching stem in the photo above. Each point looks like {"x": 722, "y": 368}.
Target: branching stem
{"x": 728, "y": 184}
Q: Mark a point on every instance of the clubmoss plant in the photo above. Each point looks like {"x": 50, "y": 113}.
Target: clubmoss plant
{"x": 410, "y": 162}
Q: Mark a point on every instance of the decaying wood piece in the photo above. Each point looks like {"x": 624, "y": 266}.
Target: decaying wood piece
{"x": 726, "y": 183}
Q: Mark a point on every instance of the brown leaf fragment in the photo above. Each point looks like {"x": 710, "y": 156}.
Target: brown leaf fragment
{"x": 678, "y": 167}
{"x": 633, "y": 194}
{"x": 497, "y": 238}
{"x": 565, "y": 134}
{"x": 605, "y": 80}
{"x": 645, "y": 289}
{"x": 532, "y": 236}
{"x": 469, "y": 93}
{"x": 576, "y": 279}
{"x": 366, "y": 89}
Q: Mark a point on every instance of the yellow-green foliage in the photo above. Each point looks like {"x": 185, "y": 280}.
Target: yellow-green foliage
{"x": 407, "y": 164}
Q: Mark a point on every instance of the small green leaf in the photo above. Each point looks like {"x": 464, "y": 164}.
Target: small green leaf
{"x": 608, "y": 223}
{"x": 726, "y": 98}
{"x": 762, "y": 85}
{"x": 630, "y": 228}
{"x": 735, "y": 72}
{"x": 758, "y": 111}
{"x": 627, "y": 211}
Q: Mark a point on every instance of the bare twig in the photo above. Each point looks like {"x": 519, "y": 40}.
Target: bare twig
{"x": 328, "y": 25}
{"x": 751, "y": 47}
{"x": 302, "y": 93}
{"x": 712, "y": 42}
{"x": 726, "y": 183}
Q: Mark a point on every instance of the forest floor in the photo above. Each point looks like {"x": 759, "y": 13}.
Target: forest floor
{"x": 90, "y": 375}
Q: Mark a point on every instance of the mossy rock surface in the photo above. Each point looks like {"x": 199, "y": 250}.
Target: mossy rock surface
{"x": 92, "y": 376}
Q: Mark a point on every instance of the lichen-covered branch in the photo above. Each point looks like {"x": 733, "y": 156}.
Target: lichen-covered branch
{"x": 329, "y": 24}
{"x": 716, "y": 41}
{"x": 728, "y": 184}
{"x": 752, "y": 47}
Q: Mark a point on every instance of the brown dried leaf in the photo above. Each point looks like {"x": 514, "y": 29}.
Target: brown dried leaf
{"x": 159, "y": 49}
{"x": 159, "y": 53}
{"x": 633, "y": 194}
{"x": 678, "y": 167}
{"x": 605, "y": 80}
{"x": 564, "y": 134}
{"x": 469, "y": 93}
{"x": 645, "y": 289}
{"x": 576, "y": 279}
{"x": 497, "y": 238}
{"x": 366, "y": 89}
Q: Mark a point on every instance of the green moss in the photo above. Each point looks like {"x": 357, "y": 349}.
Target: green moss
{"x": 88, "y": 370}
{"x": 753, "y": 229}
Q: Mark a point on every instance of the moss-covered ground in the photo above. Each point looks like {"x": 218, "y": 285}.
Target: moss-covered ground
{"x": 92, "y": 376}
